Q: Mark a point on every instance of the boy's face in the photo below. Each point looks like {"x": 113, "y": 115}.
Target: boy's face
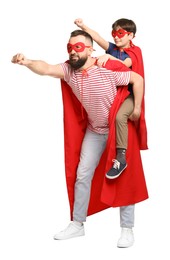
{"x": 122, "y": 38}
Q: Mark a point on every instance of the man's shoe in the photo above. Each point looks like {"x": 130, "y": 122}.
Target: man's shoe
{"x": 126, "y": 239}
{"x": 71, "y": 231}
{"x": 116, "y": 170}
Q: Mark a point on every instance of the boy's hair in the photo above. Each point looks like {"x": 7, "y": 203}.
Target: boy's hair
{"x": 81, "y": 32}
{"x": 125, "y": 24}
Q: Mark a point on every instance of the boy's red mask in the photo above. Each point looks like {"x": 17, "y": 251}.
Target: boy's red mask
{"x": 119, "y": 33}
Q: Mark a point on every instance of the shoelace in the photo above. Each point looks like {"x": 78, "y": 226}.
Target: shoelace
{"x": 116, "y": 164}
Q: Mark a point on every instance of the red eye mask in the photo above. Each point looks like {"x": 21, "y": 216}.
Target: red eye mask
{"x": 77, "y": 47}
{"x": 119, "y": 33}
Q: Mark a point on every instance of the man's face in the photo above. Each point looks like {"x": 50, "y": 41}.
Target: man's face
{"x": 78, "y": 49}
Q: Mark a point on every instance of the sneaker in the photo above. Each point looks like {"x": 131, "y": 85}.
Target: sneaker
{"x": 71, "y": 231}
{"x": 126, "y": 239}
{"x": 116, "y": 170}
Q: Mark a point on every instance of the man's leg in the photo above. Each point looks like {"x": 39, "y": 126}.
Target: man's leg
{"x": 92, "y": 148}
{"x": 126, "y": 223}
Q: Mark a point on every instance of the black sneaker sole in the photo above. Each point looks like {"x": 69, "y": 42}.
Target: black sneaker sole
{"x": 114, "y": 177}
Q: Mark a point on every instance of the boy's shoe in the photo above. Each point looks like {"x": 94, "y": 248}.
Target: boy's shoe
{"x": 71, "y": 231}
{"x": 116, "y": 169}
{"x": 126, "y": 239}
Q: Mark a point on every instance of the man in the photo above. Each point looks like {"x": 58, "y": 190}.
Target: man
{"x": 90, "y": 104}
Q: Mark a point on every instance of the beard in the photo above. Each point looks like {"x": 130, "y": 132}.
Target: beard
{"x": 76, "y": 63}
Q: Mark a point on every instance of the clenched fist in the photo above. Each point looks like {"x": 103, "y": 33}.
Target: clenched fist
{"x": 19, "y": 59}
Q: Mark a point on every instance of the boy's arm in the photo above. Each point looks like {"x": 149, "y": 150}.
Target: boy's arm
{"x": 102, "y": 43}
{"x": 39, "y": 67}
{"x": 101, "y": 60}
{"x": 96, "y": 37}
{"x": 127, "y": 62}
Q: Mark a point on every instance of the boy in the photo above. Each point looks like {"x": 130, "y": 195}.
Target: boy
{"x": 123, "y": 31}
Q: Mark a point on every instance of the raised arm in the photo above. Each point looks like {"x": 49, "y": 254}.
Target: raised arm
{"x": 138, "y": 90}
{"x": 96, "y": 37}
{"x": 102, "y": 43}
{"x": 39, "y": 67}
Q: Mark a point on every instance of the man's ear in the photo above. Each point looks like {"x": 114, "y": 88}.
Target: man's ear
{"x": 91, "y": 50}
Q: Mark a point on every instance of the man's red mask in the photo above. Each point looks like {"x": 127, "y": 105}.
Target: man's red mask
{"x": 77, "y": 47}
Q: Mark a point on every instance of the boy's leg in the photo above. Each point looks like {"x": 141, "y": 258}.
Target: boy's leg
{"x": 126, "y": 223}
{"x": 121, "y": 138}
{"x": 122, "y": 116}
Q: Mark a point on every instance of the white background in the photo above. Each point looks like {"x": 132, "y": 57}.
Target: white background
{"x": 33, "y": 196}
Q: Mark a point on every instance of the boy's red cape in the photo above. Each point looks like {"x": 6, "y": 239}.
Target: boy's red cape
{"x": 135, "y": 54}
{"x": 130, "y": 187}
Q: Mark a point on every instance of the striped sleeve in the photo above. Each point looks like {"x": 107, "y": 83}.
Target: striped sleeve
{"x": 122, "y": 78}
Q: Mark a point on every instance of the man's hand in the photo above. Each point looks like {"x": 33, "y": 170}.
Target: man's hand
{"x": 20, "y": 59}
{"x": 135, "y": 114}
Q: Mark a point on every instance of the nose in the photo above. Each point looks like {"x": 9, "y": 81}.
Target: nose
{"x": 72, "y": 51}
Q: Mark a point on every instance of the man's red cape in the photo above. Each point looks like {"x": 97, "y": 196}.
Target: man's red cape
{"x": 130, "y": 187}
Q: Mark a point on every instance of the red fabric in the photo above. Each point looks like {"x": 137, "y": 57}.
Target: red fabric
{"x": 135, "y": 54}
{"x": 130, "y": 187}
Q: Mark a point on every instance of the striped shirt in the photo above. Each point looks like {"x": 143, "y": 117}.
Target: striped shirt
{"x": 96, "y": 90}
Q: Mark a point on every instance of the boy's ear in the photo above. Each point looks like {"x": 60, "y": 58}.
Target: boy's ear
{"x": 131, "y": 35}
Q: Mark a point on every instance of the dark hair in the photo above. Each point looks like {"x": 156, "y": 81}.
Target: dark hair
{"x": 125, "y": 24}
{"x": 81, "y": 32}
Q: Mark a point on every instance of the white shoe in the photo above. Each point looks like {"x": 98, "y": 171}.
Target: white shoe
{"x": 71, "y": 231}
{"x": 127, "y": 238}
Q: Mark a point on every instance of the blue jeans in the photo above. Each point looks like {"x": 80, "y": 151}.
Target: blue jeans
{"x": 92, "y": 148}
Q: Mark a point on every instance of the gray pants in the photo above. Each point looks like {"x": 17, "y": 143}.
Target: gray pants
{"x": 92, "y": 148}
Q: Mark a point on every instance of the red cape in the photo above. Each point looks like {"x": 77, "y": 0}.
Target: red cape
{"x": 135, "y": 54}
{"x": 130, "y": 187}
